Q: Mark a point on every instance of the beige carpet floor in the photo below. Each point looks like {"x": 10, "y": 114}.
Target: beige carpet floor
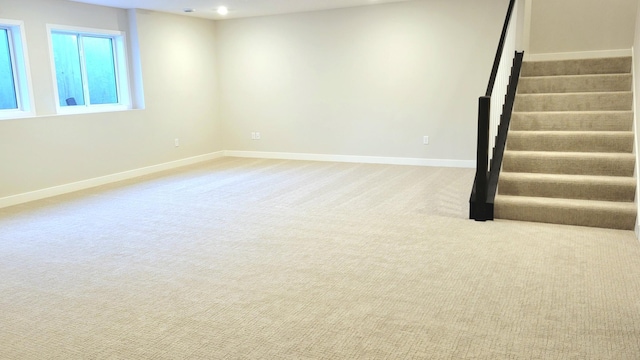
{"x": 274, "y": 259}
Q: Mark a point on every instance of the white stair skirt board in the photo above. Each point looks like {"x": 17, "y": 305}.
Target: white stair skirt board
{"x": 103, "y": 180}
{"x": 578, "y": 55}
{"x": 353, "y": 159}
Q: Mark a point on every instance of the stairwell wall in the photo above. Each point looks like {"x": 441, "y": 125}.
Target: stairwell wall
{"x": 573, "y": 26}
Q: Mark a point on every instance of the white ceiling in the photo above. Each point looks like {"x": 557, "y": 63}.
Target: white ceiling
{"x": 237, "y": 8}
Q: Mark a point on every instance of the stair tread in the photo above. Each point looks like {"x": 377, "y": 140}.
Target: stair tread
{"x": 578, "y": 93}
{"x": 565, "y": 186}
{"x": 593, "y": 213}
{"x": 577, "y": 112}
{"x": 573, "y": 163}
{"x": 571, "y": 132}
{"x": 569, "y": 203}
{"x": 575, "y": 83}
{"x": 577, "y": 76}
{"x": 611, "y": 65}
{"x": 521, "y": 176}
{"x": 602, "y": 120}
{"x": 570, "y": 154}
{"x": 577, "y": 141}
{"x": 575, "y": 101}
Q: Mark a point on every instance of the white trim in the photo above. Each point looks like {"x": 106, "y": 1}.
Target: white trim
{"x": 22, "y": 71}
{"x": 353, "y": 159}
{"x": 519, "y": 18}
{"x": 579, "y": 55}
{"x": 17, "y": 114}
{"x": 635, "y": 141}
{"x": 88, "y": 109}
{"x": 136, "y": 90}
{"x": 89, "y": 183}
{"x": 84, "y": 30}
{"x": 526, "y": 27}
{"x": 118, "y": 39}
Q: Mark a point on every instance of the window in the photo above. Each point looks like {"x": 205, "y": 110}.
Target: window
{"x": 90, "y": 69}
{"x": 15, "y": 96}
{"x": 8, "y": 96}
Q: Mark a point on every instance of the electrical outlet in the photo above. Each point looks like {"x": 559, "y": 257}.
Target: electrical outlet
{"x": 425, "y": 140}
{"x": 253, "y": 136}
{"x": 176, "y": 142}
{"x": 257, "y": 136}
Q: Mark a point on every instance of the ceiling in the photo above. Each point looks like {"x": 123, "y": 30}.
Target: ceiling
{"x": 237, "y": 8}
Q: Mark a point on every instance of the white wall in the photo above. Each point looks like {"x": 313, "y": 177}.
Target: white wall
{"x": 178, "y": 71}
{"x": 581, "y": 25}
{"x": 368, "y": 81}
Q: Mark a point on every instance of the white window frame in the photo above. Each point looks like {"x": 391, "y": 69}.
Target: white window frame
{"x": 21, "y": 71}
{"x": 123, "y": 87}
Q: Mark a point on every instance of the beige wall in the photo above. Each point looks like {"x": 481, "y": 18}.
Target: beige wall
{"x": 559, "y": 26}
{"x": 178, "y": 61}
{"x": 368, "y": 81}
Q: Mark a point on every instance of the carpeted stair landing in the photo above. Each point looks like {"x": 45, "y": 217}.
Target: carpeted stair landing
{"x": 569, "y": 156}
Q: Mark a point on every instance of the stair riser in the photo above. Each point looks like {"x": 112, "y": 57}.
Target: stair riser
{"x": 568, "y": 190}
{"x": 615, "y": 166}
{"x": 574, "y": 102}
{"x": 568, "y": 216}
{"x": 622, "y": 121}
{"x": 579, "y": 143}
{"x": 563, "y": 84}
{"x": 619, "y": 65}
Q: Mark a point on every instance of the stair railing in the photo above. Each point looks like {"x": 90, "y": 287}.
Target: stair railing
{"x": 493, "y": 124}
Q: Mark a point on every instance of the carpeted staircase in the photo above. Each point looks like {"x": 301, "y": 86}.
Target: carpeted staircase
{"x": 569, "y": 156}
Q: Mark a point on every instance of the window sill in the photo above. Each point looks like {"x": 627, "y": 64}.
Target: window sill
{"x": 31, "y": 115}
{"x": 10, "y": 115}
{"x": 81, "y": 109}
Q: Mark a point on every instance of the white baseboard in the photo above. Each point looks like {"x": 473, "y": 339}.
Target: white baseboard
{"x": 353, "y": 159}
{"x": 89, "y": 183}
{"x": 578, "y": 55}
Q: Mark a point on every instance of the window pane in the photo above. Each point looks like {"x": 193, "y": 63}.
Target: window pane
{"x": 101, "y": 72}
{"x": 8, "y": 98}
{"x": 68, "y": 73}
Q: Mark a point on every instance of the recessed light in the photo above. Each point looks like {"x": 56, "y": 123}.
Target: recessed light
{"x": 222, "y": 10}
{"x": 189, "y": 10}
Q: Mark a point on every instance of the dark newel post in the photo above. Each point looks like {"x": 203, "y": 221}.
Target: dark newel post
{"x": 482, "y": 160}
{"x": 479, "y": 209}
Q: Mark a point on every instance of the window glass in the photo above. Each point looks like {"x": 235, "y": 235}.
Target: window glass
{"x": 8, "y": 98}
{"x": 66, "y": 55}
{"x": 101, "y": 71}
